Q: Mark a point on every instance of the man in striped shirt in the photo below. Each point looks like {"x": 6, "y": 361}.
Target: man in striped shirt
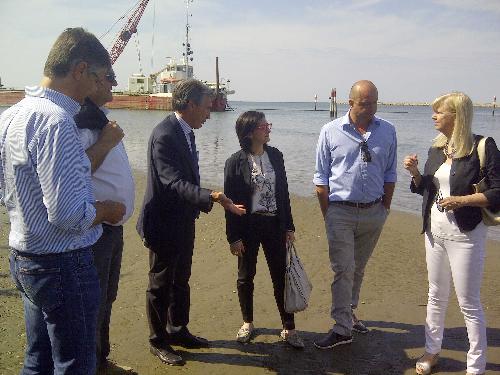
{"x": 45, "y": 185}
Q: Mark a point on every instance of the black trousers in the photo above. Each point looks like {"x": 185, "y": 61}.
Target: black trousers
{"x": 263, "y": 230}
{"x": 107, "y": 260}
{"x": 168, "y": 293}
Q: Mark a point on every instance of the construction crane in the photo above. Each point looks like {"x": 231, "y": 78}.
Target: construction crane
{"x": 127, "y": 31}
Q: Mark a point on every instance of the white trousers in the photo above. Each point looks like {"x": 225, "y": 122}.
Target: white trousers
{"x": 461, "y": 261}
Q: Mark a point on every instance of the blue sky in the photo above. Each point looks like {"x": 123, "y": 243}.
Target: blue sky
{"x": 282, "y": 50}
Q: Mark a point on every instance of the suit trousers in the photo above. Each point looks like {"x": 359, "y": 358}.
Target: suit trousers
{"x": 168, "y": 293}
{"x": 352, "y": 235}
{"x": 263, "y": 230}
{"x": 107, "y": 260}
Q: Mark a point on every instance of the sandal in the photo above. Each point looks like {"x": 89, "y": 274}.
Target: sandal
{"x": 425, "y": 363}
{"x": 292, "y": 338}
{"x": 244, "y": 334}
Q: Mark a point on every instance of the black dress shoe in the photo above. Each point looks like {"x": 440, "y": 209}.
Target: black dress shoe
{"x": 167, "y": 355}
{"x": 185, "y": 339}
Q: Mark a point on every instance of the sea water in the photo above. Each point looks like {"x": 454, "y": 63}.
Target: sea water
{"x": 295, "y": 131}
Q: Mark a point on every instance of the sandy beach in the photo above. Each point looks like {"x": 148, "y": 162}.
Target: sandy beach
{"x": 393, "y": 306}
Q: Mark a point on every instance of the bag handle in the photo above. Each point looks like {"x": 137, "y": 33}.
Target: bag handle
{"x": 290, "y": 248}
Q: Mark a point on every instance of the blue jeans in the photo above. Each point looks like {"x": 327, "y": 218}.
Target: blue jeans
{"x": 61, "y": 299}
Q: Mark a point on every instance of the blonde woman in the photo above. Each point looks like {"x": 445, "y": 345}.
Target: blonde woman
{"x": 455, "y": 235}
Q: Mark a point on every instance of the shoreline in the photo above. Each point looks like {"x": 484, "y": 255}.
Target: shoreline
{"x": 5, "y": 90}
{"x": 392, "y": 304}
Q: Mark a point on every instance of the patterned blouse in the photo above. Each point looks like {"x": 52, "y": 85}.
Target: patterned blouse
{"x": 264, "y": 184}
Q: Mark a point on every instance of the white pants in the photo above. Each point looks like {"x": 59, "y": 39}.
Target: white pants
{"x": 463, "y": 261}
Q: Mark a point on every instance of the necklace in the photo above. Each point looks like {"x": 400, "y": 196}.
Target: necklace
{"x": 451, "y": 154}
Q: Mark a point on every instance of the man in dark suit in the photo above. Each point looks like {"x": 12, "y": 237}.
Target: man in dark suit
{"x": 172, "y": 202}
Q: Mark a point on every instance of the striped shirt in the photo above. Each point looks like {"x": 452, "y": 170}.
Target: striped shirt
{"x": 45, "y": 175}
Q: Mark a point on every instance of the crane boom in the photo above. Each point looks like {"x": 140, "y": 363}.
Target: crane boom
{"x": 127, "y": 31}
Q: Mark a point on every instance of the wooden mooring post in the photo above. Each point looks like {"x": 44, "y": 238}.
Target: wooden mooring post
{"x": 333, "y": 103}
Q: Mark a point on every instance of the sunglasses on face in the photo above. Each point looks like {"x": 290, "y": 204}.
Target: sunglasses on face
{"x": 267, "y": 126}
{"x": 365, "y": 152}
{"x": 110, "y": 77}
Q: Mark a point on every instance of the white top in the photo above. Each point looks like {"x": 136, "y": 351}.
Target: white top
{"x": 113, "y": 180}
{"x": 443, "y": 224}
{"x": 263, "y": 182}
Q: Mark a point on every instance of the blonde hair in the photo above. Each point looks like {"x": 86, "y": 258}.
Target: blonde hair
{"x": 462, "y": 138}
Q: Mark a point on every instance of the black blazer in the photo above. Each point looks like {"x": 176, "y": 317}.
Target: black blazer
{"x": 238, "y": 187}
{"x": 173, "y": 197}
{"x": 464, "y": 172}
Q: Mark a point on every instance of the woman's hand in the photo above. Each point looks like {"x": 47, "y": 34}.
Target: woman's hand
{"x": 237, "y": 248}
{"x": 290, "y": 236}
{"x": 410, "y": 163}
{"x": 453, "y": 202}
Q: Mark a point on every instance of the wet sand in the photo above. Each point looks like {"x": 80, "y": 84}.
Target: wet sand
{"x": 393, "y": 299}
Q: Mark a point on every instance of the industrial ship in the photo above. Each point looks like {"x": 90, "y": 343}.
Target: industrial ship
{"x": 153, "y": 91}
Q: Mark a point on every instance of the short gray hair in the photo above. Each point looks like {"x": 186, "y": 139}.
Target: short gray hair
{"x": 189, "y": 90}
{"x": 73, "y": 46}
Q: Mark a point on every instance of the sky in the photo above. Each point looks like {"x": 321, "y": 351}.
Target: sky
{"x": 280, "y": 50}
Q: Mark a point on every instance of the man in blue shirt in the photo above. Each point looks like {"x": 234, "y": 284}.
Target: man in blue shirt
{"x": 46, "y": 188}
{"x": 355, "y": 179}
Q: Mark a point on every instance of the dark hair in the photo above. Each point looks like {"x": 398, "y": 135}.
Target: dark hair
{"x": 73, "y": 46}
{"x": 245, "y": 125}
{"x": 189, "y": 90}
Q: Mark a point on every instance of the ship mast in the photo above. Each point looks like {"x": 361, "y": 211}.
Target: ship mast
{"x": 187, "y": 45}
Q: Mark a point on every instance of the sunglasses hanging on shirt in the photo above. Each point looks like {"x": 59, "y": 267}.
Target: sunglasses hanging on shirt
{"x": 365, "y": 152}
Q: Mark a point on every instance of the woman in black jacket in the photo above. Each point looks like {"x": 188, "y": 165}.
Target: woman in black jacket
{"x": 255, "y": 177}
{"x": 455, "y": 235}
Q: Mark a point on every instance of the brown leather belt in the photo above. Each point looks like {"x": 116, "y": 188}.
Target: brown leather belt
{"x": 358, "y": 204}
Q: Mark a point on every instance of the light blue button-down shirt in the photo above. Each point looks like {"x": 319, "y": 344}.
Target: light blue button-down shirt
{"x": 45, "y": 175}
{"x": 339, "y": 162}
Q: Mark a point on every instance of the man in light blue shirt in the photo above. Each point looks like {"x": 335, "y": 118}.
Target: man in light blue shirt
{"x": 45, "y": 185}
{"x": 355, "y": 179}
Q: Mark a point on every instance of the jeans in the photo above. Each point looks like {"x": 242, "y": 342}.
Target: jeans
{"x": 107, "y": 259}
{"x": 461, "y": 262}
{"x": 60, "y": 293}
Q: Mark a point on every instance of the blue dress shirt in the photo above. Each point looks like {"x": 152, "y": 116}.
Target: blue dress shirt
{"x": 339, "y": 162}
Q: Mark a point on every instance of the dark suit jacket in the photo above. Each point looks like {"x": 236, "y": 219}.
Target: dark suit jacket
{"x": 237, "y": 186}
{"x": 173, "y": 197}
{"x": 464, "y": 172}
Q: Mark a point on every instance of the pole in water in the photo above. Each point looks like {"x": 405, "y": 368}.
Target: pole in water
{"x": 333, "y": 103}
{"x": 494, "y": 104}
{"x": 315, "y": 101}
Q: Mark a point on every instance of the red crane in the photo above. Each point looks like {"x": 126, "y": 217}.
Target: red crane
{"x": 127, "y": 31}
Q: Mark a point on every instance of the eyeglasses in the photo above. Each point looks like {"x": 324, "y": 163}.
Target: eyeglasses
{"x": 439, "y": 196}
{"x": 365, "y": 152}
{"x": 267, "y": 126}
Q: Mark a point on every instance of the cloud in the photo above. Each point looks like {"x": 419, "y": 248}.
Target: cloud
{"x": 472, "y": 5}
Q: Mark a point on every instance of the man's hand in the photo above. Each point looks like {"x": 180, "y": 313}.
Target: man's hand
{"x": 237, "y": 209}
{"x": 237, "y": 248}
{"x": 109, "y": 137}
{"x": 111, "y": 134}
{"x": 290, "y": 236}
{"x": 109, "y": 211}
